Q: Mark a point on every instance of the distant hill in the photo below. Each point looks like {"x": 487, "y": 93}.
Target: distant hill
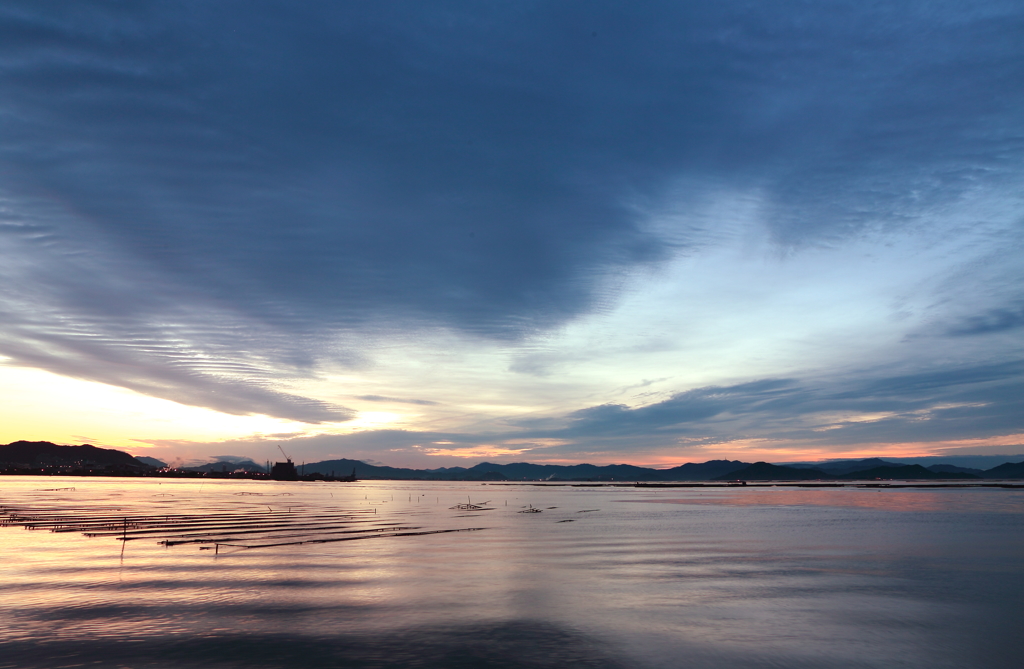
{"x": 344, "y": 467}
{"x": 904, "y": 473}
{"x": 850, "y": 466}
{"x": 530, "y": 472}
{"x": 840, "y": 467}
{"x": 525, "y": 471}
{"x": 969, "y": 464}
{"x": 584, "y": 472}
{"x": 227, "y": 466}
{"x": 40, "y": 454}
{"x": 702, "y": 471}
{"x": 763, "y": 471}
{"x": 44, "y": 454}
{"x": 1009, "y": 470}
{"x": 713, "y": 470}
{"x": 982, "y": 462}
{"x": 953, "y": 469}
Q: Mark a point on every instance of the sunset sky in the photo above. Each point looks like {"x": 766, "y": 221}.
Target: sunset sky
{"x": 435, "y": 233}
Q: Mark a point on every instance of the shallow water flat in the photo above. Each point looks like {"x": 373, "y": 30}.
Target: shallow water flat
{"x": 383, "y": 574}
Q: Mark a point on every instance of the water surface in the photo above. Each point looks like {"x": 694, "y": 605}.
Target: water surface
{"x": 602, "y": 577}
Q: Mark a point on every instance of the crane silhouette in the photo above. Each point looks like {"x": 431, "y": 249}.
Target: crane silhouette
{"x": 283, "y": 453}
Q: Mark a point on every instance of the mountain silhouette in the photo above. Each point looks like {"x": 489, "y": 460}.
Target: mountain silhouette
{"x": 41, "y": 454}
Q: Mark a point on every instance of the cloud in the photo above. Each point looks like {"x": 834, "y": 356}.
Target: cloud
{"x": 207, "y": 202}
{"x": 381, "y": 398}
{"x": 955, "y": 403}
{"x": 949, "y": 403}
{"x": 474, "y": 169}
{"x": 995, "y": 320}
{"x": 786, "y": 415}
{"x": 694, "y": 406}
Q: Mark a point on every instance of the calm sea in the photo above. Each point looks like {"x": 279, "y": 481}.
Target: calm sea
{"x": 263, "y": 574}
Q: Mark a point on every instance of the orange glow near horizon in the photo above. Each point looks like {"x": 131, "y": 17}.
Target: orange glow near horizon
{"x": 757, "y": 450}
{"x": 482, "y": 451}
{"x": 41, "y": 406}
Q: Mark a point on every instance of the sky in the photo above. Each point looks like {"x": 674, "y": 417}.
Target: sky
{"x": 436, "y": 233}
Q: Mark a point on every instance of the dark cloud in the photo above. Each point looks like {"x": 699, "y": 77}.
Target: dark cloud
{"x": 469, "y": 163}
{"x": 927, "y": 385}
{"x": 300, "y": 170}
{"x": 995, "y": 320}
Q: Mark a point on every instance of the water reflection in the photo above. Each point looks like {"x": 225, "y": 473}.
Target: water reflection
{"x": 985, "y": 500}
{"x": 510, "y": 645}
{"x": 754, "y": 578}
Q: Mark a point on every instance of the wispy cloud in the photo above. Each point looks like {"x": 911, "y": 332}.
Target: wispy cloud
{"x": 399, "y": 400}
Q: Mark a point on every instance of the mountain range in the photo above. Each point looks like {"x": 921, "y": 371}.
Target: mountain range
{"x": 43, "y": 454}
{"x": 30, "y": 455}
{"x": 713, "y": 470}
